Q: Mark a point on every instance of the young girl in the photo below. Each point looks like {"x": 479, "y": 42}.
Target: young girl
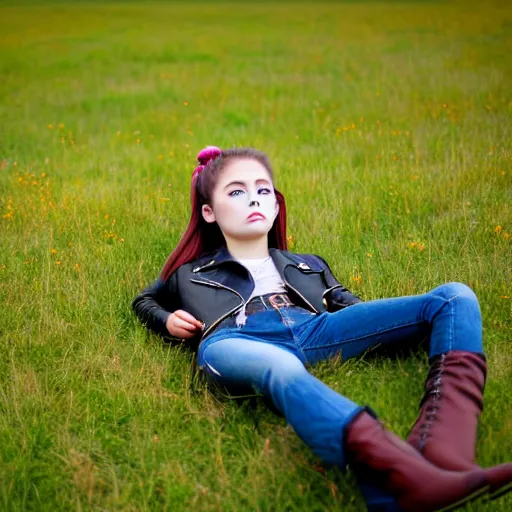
{"x": 261, "y": 313}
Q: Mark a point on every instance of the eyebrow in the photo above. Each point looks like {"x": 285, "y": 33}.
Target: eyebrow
{"x": 243, "y": 183}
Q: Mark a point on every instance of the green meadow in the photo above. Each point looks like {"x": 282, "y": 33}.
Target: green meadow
{"x": 389, "y": 125}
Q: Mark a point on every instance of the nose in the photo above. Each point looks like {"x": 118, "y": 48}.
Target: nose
{"x": 254, "y": 203}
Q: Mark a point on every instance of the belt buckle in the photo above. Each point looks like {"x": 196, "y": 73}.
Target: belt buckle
{"x": 278, "y": 301}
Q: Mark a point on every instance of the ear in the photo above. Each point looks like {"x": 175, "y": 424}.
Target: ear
{"x": 208, "y": 214}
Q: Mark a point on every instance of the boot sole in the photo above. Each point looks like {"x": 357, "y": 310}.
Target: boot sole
{"x": 500, "y": 492}
{"x": 470, "y": 497}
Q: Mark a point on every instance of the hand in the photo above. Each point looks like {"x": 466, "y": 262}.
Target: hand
{"x": 183, "y": 325}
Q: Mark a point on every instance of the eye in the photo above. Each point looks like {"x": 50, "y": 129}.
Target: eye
{"x": 264, "y": 191}
{"x": 236, "y": 192}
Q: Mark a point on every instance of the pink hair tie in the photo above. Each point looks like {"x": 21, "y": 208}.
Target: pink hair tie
{"x": 205, "y": 156}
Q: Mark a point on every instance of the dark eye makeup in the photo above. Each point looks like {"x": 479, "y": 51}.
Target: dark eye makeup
{"x": 263, "y": 190}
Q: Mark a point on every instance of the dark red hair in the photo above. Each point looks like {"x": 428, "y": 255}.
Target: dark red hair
{"x": 201, "y": 237}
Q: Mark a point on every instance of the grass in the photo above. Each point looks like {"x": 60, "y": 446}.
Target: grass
{"x": 390, "y": 128}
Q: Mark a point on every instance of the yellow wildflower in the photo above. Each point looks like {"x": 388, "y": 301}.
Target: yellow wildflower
{"x": 498, "y": 229}
{"x": 53, "y": 251}
{"x": 356, "y": 279}
{"x": 416, "y": 245}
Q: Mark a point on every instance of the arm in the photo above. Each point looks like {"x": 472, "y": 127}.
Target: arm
{"x": 154, "y": 305}
{"x": 337, "y": 296}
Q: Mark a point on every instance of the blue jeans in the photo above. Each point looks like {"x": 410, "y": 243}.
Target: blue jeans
{"x": 269, "y": 353}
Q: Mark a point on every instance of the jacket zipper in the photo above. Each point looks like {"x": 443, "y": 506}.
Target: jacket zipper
{"x": 213, "y": 284}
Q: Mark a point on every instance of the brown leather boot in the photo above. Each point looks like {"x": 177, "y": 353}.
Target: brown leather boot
{"x": 414, "y": 482}
{"x": 446, "y": 427}
{"x": 445, "y": 430}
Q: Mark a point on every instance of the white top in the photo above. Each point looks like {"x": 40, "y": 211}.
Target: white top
{"x": 265, "y": 275}
{"x": 266, "y": 280}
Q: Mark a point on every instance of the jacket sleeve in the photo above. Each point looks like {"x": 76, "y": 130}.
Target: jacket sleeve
{"x": 336, "y": 295}
{"x": 154, "y": 305}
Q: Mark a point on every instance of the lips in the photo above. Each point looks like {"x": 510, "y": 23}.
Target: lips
{"x": 255, "y": 216}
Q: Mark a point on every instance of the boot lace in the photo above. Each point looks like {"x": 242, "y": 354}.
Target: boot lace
{"x": 431, "y": 399}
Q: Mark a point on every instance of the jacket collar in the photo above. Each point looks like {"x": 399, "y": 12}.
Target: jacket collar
{"x": 212, "y": 260}
{"x": 289, "y": 265}
{"x": 280, "y": 258}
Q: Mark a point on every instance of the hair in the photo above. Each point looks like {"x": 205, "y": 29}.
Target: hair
{"x": 201, "y": 237}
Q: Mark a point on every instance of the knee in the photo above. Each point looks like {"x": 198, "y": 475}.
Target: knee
{"x": 451, "y": 291}
{"x": 458, "y": 292}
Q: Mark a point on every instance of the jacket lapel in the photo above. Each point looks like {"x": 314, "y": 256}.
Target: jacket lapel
{"x": 305, "y": 281}
{"x": 280, "y": 260}
{"x": 220, "y": 268}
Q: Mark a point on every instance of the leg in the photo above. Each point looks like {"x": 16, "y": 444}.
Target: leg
{"x": 449, "y": 315}
{"x": 335, "y": 428}
{"x": 445, "y": 430}
{"x": 316, "y": 412}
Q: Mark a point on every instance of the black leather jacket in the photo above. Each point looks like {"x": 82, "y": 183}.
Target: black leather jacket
{"x": 215, "y": 286}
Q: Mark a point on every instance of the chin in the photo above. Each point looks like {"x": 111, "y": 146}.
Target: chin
{"x": 252, "y": 234}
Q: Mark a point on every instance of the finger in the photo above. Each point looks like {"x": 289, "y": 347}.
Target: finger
{"x": 183, "y": 324}
{"x": 184, "y": 315}
{"x": 181, "y": 333}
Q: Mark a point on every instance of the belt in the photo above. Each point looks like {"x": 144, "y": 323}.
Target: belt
{"x": 268, "y": 301}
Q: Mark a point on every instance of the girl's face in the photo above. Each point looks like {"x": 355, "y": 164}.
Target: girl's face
{"x": 243, "y": 201}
